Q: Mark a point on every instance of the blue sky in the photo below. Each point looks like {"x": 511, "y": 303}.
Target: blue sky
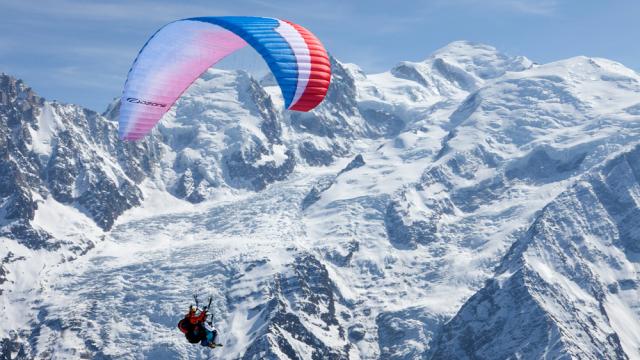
{"x": 79, "y": 51}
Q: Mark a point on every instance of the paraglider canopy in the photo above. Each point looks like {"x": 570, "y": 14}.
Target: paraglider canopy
{"x": 177, "y": 54}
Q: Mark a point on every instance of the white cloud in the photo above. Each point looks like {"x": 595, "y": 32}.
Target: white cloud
{"x": 531, "y": 7}
{"x": 143, "y": 11}
{"x": 539, "y": 7}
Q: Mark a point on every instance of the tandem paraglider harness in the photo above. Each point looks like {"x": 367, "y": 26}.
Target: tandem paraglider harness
{"x": 196, "y": 328}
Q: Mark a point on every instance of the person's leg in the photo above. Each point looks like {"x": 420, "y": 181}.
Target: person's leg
{"x": 211, "y": 335}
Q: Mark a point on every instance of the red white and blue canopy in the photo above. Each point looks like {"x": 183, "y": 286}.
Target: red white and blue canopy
{"x": 177, "y": 54}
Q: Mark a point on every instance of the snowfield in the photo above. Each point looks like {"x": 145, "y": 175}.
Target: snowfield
{"x": 472, "y": 205}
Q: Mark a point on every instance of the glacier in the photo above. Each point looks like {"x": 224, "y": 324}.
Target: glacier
{"x": 472, "y": 205}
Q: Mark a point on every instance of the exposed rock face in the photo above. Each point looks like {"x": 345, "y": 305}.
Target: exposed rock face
{"x": 326, "y": 132}
{"x": 302, "y": 300}
{"x": 325, "y": 183}
{"x": 63, "y": 152}
{"x": 249, "y": 165}
{"x": 18, "y": 173}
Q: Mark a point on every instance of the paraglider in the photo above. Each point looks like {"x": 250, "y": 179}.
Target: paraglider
{"x": 197, "y": 328}
{"x": 177, "y": 54}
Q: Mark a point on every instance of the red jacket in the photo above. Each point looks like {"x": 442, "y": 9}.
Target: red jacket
{"x": 190, "y": 320}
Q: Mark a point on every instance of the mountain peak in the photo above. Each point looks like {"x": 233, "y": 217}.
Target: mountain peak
{"x": 464, "y": 47}
{"x": 481, "y": 60}
{"x": 587, "y": 65}
{"x": 460, "y": 67}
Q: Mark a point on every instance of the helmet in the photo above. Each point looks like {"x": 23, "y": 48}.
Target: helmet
{"x": 193, "y": 309}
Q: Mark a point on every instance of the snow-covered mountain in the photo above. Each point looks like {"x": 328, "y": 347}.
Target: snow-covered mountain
{"x": 472, "y": 205}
